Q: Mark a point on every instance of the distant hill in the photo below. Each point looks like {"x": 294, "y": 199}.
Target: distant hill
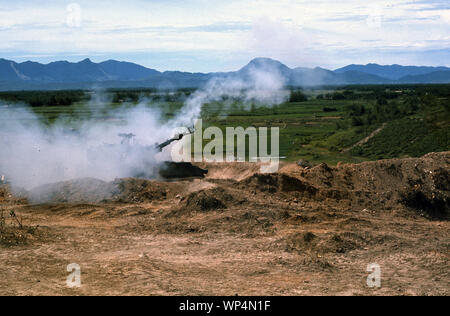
{"x": 116, "y": 74}
{"x": 392, "y": 72}
{"x": 265, "y": 64}
{"x": 433, "y": 77}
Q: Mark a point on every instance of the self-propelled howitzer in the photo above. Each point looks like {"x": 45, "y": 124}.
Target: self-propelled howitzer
{"x": 138, "y": 161}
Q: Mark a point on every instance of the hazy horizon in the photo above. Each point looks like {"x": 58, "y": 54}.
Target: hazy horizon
{"x": 97, "y": 61}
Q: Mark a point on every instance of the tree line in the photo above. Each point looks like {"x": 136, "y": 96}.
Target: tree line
{"x": 44, "y": 98}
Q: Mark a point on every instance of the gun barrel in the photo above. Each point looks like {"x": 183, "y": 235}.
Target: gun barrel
{"x": 165, "y": 144}
{"x": 170, "y": 141}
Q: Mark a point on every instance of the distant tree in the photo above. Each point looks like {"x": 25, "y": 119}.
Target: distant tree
{"x": 357, "y": 121}
{"x": 342, "y": 124}
{"x": 428, "y": 101}
{"x": 329, "y": 109}
{"x": 297, "y": 96}
{"x": 381, "y": 101}
{"x": 447, "y": 104}
{"x": 338, "y": 96}
{"x": 356, "y": 110}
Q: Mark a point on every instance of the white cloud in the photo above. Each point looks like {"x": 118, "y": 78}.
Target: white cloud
{"x": 445, "y": 16}
{"x": 298, "y": 32}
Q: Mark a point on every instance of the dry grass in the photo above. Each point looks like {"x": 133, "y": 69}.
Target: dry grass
{"x": 12, "y": 230}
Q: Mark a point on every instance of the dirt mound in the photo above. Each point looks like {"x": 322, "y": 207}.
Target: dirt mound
{"x": 133, "y": 190}
{"x": 379, "y": 175}
{"x": 202, "y": 211}
{"x": 74, "y": 191}
{"x": 418, "y": 183}
{"x": 441, "y": 179}
{"x": 88, "y": 190}
{"x": 436, "y": 205}
{"x": 233, "y": 171}
{"x": 207, "y": 200}
{"x": 278, "y": 183}
{"x": 204, "y": 202}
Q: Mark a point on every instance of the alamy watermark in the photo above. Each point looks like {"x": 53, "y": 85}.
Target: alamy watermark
{"x": 375, "y": 16}
{"x": 74, "y": 278}
{"x": 374, "y": 278}
{"x": 73, "y": 18}
{"x": 237, "y": 145}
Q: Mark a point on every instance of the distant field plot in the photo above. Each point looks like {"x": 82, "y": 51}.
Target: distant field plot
{"x": 301, "y": 125}
{"x": 352, "y": 124}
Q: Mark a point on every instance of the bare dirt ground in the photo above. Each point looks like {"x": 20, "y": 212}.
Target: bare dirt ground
{"x": 298, "y": 232}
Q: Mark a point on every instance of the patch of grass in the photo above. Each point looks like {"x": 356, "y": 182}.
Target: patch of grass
{"x": 411, "y": 136}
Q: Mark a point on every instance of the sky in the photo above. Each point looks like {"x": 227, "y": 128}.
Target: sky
{"x": 216, "y": 35}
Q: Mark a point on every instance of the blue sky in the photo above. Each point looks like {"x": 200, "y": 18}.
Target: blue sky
{"x": 215, "y": 35}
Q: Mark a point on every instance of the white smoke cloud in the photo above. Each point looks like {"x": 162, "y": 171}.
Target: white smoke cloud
{"x": 33, "y": 154}
{"x": 262, "y": 85}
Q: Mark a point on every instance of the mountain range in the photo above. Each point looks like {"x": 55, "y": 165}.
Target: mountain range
{"x": 116, "y": 74}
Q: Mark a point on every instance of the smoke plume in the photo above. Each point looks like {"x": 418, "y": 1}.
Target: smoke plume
{"x": 33, "y": 153}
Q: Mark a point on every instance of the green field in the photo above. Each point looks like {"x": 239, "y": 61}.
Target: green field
{"x": 324, "y": 128}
